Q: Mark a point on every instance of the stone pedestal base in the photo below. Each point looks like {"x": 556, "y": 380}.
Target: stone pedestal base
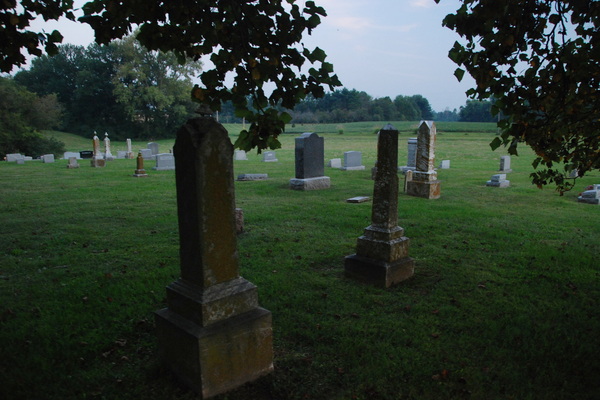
{"x": 140, "y": 173}
{"x": 217, "y": 338}
{"x": 98, "y": 163}
{"x": 425, "y": 189}
{"x": 359, "y": 168}
{"x": 219, "y": 357}
{"x": 318, "y": 183}
{"x": 377, "y": 272}
{"x": 500, "y": 184}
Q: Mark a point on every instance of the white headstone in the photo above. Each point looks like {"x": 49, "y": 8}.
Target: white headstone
{"x": 146, "y": 154}
{"x": 505, "y": 164}
{"x": 335, "y": 163}
{"x": 153, "y": 146}
{"x": 269, "y": 156}
{"x": 48, "y": 158}
{"x": 498, "y": 180}
{"x": 13, "y": 157}
{"x": 69, "y": 154}
{"x": 164, "y": 162}
{"x": 353, "y": 161}
{"x": 240, "y": 155}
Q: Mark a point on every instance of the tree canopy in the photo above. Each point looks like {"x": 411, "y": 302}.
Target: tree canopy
{"x": 121, "y": 88}
{"x": 540, "y": 61}
{"x": 255, "y": 43}
{"x": 22, "y": 114}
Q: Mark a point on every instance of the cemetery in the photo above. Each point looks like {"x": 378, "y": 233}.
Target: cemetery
{"x": 496, "y": 294}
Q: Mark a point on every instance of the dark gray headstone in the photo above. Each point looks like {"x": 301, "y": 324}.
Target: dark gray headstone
{"x": 310, "y": 156}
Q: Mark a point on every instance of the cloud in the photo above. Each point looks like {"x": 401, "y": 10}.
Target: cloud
{"x": 422, "y": 3}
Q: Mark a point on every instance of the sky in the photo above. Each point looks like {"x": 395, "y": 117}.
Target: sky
{"x": 381, "y": 47}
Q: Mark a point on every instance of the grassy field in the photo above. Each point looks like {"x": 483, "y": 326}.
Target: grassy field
{"x": 503, "y": 304}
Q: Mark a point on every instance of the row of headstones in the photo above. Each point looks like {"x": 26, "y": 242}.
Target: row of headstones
{"x": 309, "y": 152}
{"x": 352, "y": 159}
{"x": 20, "y": 158}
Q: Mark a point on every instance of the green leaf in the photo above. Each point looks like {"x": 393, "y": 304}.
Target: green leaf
{"x": 497, "y": 142}
{"x": 459, "y": 73}
{"x": 285, "y": 117}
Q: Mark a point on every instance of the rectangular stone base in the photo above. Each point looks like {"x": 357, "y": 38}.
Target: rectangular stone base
{"x": 582, "y": 199}
{"x": 359, "y": 168}
{"x": 501, "y": 184}
{"x": 317, "y": 183}
{"x": 425, "y": 189}
{"x": 98, "y": 163}
{"x": 378, "y": 273}
{"x": 219, "y": 357}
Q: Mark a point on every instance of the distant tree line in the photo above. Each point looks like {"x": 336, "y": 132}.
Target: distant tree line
{"x": 120, "y": 88}
{"x": 356, "y": 106}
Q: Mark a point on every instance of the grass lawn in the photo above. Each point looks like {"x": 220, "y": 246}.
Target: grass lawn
{"x": 503, "y": 304}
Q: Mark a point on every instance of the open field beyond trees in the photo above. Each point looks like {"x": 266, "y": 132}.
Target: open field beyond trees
{"x": 503, "y": 304}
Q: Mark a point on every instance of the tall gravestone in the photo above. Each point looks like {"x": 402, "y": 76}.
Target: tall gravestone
{"x": 424, "y": 182}
{"x": 382, "y": 252}
{"x": 129, "y": 154}
{"x": 107, "y": 153}
{"x": 97, "y": 158}
{"x": 213, "y": 335}
{"x": 310, "y": 163}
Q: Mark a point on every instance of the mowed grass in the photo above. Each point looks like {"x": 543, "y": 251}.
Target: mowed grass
{"x": 503, "y": 304}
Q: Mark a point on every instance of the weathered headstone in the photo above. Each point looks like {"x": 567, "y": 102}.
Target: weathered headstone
{"x": 164, "y": 162}
{"x": 252, "y": 177}
{"x": 445, "y": 164}
{"x": 240, "y": 155}
{"x": 213, "y": 335}
{"x": 73, "y": 163}
{"x": 96, "y": 146}
{"x": 353, "y": 161}
{"x": 121, "y": 155}
{"x": 140, "y": 172}
{"x": 498, "y": 180}
{"x": 310, "y": 163}
{"x": 412, "y": 156}
{"x": 269, "y": 156}
{"x": 97, "y": 160}
{"x": 505, "y": 164}
{"x": 590, "y": 196}
{"x": 129, "y": 153}
{"x": 153, "y": 146}
{"x": 20, "y": 161}
{"x": 335, "y": 163}
{"x": 424, "y": 181}
{"x": 382, "y": 252}
{"x": 47, "y": 158}
{"x": 107, "y": 153}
